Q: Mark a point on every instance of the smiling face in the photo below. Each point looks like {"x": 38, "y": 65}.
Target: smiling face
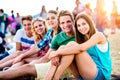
{"x": 26, "y": 21}
{"x": 39, "y": 27}
{"x": 82, "y": 26}
{"x": 66, "y": 24}
{"x": 51, "y": 20}
{"x": 27, "y": 26}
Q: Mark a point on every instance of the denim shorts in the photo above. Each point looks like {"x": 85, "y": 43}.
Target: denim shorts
{"x": 99, "y": 76}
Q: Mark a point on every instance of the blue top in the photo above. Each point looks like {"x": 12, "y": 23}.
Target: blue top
{"x": 46, "y": 40}
{"x": 102, "y": 60}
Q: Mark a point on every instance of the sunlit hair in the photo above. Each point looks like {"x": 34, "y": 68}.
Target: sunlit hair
{"x": 65, "y": 13}
{"x": 28, "y": 17}
{"x": 37, "y": 36}
{"x": 56, "y": 13}
{"x": 80, "y": 38}
{"x": 53, "y": 11}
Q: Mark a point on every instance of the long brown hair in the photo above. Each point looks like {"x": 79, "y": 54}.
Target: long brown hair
{"x": 80, "y": 38}
{"x": 37, "y": 36}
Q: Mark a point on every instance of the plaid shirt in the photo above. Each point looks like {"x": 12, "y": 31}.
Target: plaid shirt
{"x": 46, "y": 40}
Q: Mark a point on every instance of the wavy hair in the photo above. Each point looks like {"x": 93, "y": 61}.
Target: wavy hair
{"x": 37, "y": 36}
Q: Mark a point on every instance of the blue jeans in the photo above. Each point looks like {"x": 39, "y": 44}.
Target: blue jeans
{"x": 3, "y": 55}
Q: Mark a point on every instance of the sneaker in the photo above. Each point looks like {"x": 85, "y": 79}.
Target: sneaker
{"x": 5, "y": 68}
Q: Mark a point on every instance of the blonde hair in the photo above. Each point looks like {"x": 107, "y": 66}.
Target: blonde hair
{"x": 37, "y": 36}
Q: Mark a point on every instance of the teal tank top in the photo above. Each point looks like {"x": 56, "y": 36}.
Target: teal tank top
{"x": 102, "y": 60}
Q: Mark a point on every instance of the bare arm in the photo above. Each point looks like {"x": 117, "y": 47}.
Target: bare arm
{"x": 41, "y": 45}
{"x": 30, "y": 52}
{"x": 18, "y": 46}
{"x": 44, "y": 59}
{"x": 75, "y": 48}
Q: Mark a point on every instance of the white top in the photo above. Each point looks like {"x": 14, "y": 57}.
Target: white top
{"x": 24, "y": 39}
{"x": 103, "y": 47}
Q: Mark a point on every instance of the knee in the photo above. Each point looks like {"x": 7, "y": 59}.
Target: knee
{"x": 61, "y": 47}
{"x": 68, "y": 58}
{"x": 29, "y": 66}
{"x": 82, "y": 53}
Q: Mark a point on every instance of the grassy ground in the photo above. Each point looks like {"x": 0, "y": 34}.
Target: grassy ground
{"x": 114, "y": 40}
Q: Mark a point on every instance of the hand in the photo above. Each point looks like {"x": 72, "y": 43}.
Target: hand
{"x": 52, "y": 54}
{"x": 55, "y": 61}
{"x": 18, "y": 59}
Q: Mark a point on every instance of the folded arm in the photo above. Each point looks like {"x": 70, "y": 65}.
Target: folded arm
{"x": 75, "y": 48}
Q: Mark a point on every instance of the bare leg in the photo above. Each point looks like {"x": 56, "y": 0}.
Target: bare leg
{"x": 50, "y": 73}
{"x": 26, "y": 69}
{"x": 17, "y": 64}
{"x": 7, "y": 60}
{"x": 30, "y": 59}
{"x": 74, "y": 69}
{"x": 65, "y": 62}
{"x": 6, "y": 64}
{"x": 86, "y": 66}
{"x": 24, "y": 61}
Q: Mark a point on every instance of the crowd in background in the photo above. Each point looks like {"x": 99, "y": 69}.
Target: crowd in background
{"x": 19, "y": 27}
